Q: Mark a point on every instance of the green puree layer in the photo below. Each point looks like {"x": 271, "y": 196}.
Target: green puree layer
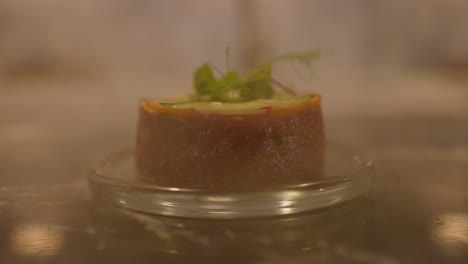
{"x": 235, "y": 108}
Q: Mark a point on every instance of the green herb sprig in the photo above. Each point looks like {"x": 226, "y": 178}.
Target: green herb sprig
{"x": 255, "y": 84}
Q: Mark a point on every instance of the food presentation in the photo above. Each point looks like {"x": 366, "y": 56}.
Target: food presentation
{"x": 238, "y": 145}
{"x": 235, "y": 131}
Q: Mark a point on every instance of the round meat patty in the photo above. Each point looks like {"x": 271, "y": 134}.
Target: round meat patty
{"x": 256, "y": 144}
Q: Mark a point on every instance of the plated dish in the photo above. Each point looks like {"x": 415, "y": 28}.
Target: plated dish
{"x": 240, "y": 145}
{"x": 233, "y": 132}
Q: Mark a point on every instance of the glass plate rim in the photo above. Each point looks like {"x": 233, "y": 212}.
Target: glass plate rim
{"x": 97, "y": 174}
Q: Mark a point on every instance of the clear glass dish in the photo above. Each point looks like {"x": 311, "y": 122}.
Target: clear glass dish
{"x": 347, "y": 175}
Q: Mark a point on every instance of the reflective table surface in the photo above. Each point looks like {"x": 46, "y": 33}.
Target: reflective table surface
{"x": 416, "y": 211}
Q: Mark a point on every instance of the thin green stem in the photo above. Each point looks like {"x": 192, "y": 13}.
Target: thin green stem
{"x": 283, "y": 86}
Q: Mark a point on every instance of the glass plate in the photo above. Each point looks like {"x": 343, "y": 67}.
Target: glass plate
{"x": 347, "y": 175}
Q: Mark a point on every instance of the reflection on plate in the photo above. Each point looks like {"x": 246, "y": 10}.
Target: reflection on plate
{"x": 347, "y": 175}
{"x": 309, "y": 235}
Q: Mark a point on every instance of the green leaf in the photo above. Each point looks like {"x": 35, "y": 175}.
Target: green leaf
{"x": 265, "y": 68}
{"x": 231, "y": 78}
{"x": 203, "y": 80}
{"x": 256, "y": 90}
{"x": 224, "y": 87}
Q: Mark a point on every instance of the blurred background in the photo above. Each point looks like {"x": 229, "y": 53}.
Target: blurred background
{"x": 393, "y": 75}
{"x": 71, "y": 72}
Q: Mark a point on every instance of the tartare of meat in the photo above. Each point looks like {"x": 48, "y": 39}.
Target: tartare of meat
{"x": 241, "y": 137}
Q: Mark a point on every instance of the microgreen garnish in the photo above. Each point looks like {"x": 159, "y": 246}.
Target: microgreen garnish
{"x": 255, "y": 84}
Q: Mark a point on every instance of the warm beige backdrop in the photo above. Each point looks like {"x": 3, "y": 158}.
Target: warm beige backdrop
{"x": 84, "y": 63}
